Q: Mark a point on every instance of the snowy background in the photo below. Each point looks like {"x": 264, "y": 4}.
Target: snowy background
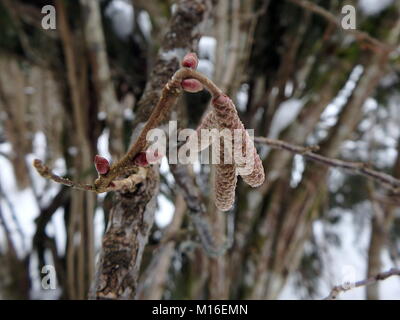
{"x": 344, "y": 262}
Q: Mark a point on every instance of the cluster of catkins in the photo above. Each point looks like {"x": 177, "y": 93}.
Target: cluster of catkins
{"x": 223, "y": 115}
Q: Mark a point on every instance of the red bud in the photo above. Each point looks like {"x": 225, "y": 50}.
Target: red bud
{"x": 141, "y": 160}
{"x": 102, "y": 165}
{"x": 144, "y": 159}
{"x": 221, "y": 100}
{"x": 190, "y": 61}
{"x": 192, "y": 85}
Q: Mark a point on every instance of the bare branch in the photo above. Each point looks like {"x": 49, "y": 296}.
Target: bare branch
{"x": 366, "y": 282}
{"x": 45, "y": 172}
{"x": 360, "y": 168}
{"x": 197, "y": 210}
{"x": 169, "y": 95}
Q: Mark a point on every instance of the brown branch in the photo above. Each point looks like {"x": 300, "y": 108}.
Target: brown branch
{"x": 45, "y": 172}
{"x": 155, "y": 277}
{"x": 360, "y": 168}
{"x": 132, "y": 215}
{"x": 169, "y": 96}
{"x": 366, "y": 282}
{"x": 197, "y": 211}
{"x": 359, "y": 35}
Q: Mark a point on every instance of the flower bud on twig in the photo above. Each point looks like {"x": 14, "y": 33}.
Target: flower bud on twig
{"x": 190, "y": 61}
{"x": 143, "y": 159}
{"x": 191, "y": 85}
{"x": 102, "y": 165}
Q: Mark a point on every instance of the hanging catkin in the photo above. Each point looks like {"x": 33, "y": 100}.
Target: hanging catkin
{"x": 225, "y": 183}
{"x": 227, "y": 117}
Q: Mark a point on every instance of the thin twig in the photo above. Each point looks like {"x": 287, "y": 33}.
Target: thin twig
{"x": 169, "y": 95}
{"x": 360, "y": 168}
{"x": 366, "y": 282}
{"x": 45, "y": 172}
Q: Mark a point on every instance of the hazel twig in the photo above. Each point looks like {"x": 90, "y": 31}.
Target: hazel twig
{"x": 169, "y": 96}
{"x": 366, "y": 282}
{"x": 45, "y": 172}
{"x": 360, "y": 168}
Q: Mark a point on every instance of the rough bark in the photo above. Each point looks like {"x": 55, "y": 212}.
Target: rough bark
{"x": 182, "y": 36}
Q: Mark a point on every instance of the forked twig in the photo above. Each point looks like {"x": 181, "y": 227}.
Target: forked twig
{"x": 169, "y": 95}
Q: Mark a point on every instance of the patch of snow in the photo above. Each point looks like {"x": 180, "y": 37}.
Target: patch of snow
{"x": 103, "y": 144}
{"x": 56, "y": 229}
{"x": 173, "y": 8}
{"x": 176, "y": 53}
{"x": 121, "y": 14}
{"x": 144, "y": 23}
{"x": 206, "y": 67}
{"x": 287, "y": 112}
{"x": 242, "y": 97}
{"x": 373, "y": 7}
{"x": 207, "y": 47}
{"x": 39, "y": 145}
{"x": 128, "y": 114}
{"x": 297, "y": 171}
{"x": 24, "y": 206}
{"x": 197, "y": 167}
{"x": 99, "y": 227}
{"x": 165, "y": 212}
{"x": 370, "y": 105}
{"x": 6, "y": 148}
{"x": 289, "y": 89}
{"x": 164, "y": 170}
{"x": 101, "y": 115}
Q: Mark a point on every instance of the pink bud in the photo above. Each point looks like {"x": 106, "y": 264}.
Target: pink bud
{"x": 190, "y": 61}
{"x": 221, "y": 100}
{"x": 192, "y": 85}
{"x": 141, "y": 160}
{"x": 102, "y": 165}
